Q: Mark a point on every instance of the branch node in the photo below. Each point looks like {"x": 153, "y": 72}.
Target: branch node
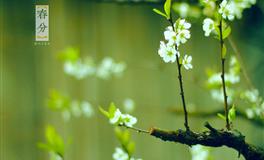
{"x": 208, "y": 126}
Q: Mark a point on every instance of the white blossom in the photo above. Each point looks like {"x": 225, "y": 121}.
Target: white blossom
{"x": 217, "y": 94}
{"x": 128, "y": 120}
{"x": 183, "y": 25}
{"x": 78, "y": 69}
{"x": 109, "y": 67}
{"x": 170, "y": 35}
{"x": 183, "y": 9}
{"x": 87, "y": 109}
{"x": 116, "y": 117}
{"x": 226, "y": 10}
{"x": 75, "y": 108}
{"x": 208, "y": 26}
{"x": 66, "y": 115}
{"x": 233, "y": 8}
{"x": 182, "y": 36}
{"x": 186, "y": 62}
{"x": 104, "y": 69}
{"x": 118, "y": 68}
{"x": 199, "y": 152}
{"x": 120, "y": 154}
{"x": 250, "y": 113}
{"x": 215, "y": 79}
{"x": 251, "y": 95}
{"x": 256, "y": 111}
{"x": 174, "y": 35}
{"x": 167, "y": 52}
{"x": 129, "y": 105}
{"x": 232, "y": 78}
{"x": 132, "y": 158}
{"x": 237, "y": 9}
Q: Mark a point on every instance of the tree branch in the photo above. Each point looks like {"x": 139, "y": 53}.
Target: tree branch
{"x": 223, "y": 73}
{"x": 134, "y": 128}
{"x": 212, "y": 138}
{"x": 179, "y": 65}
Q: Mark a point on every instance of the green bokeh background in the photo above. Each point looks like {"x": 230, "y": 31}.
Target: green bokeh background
{"x": 126, "y": 32}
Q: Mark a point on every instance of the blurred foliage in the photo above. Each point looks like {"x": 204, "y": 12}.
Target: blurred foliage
{"x": 69, "y": 107}
{"x": 54, "y": 143}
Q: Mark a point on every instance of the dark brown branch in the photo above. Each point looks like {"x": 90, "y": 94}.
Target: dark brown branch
{"x": 179, "y": 65}
{"x": 212, "y": 114}
{"x": 212, "y": 138}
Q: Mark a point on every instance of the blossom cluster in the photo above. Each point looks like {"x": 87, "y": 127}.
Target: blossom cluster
{"x": 79, "y": 69}
{"x": 232, "y": 77}
{"x": 120, "y": 154}
{"x": 69, "y": 107}
{"x": 115, "y": 116}
{"x": 129, "y": 105}
{"x": 78, "y": 108}
{"x": 256, "y": 110}
{"x": 214, "y": 81}
{"x": 175, "y": 36}
{"x": 104, "y": 70}
{"x": 228, "y": 10}
{"x": 208, "y": 26}
{"x": 125, "y": 119}
{"x": 233, "y": 8}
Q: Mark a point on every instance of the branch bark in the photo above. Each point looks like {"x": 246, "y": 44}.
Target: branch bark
{"x": 212, "y": 138}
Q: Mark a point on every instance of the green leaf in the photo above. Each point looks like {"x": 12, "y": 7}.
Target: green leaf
{"x": 44, "y": 146}
{"x": 69, "y": 54}
{"x": 167, "y": 8}
{"x": 221, "y": 116}
{"x": 223, "y": 51}
{"x": 217, "y": 36}
{"x": 131, "y": 147}
{"x": 54, "y": 142}
{"x": 118, "y": 133}
{"x": 125, "y": 137}
{"x": 159, "y": 12}
{"x": 226, "y": 32}
{"x": 57, "y": 101}
{"x": 232, "y": 113}
{"x": 112, "y": 109}
{"x": 104, "y": 112}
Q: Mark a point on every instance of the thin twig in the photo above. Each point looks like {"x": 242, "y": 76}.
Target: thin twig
{"x": 223, "y": 74}
{"x": 135, "y": 129}
{"x": 181, "y": 83}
